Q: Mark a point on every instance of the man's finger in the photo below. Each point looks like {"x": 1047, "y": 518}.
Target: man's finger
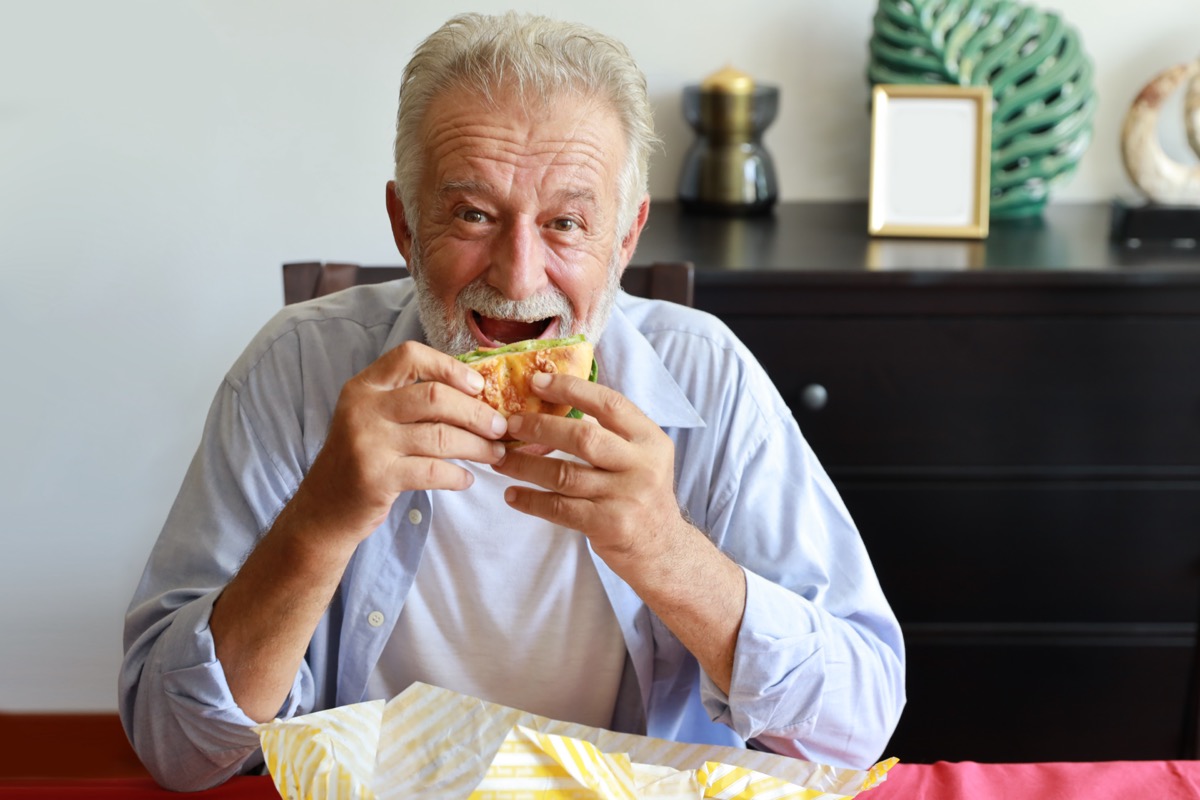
{"x": 436, "y": 402}
{"x": 611, "y": 408}
{"x": 558, "y": 475}
{"x": 436, "y": 440}
{"x": 572, "y": 513}
{"x": 584, "y": 439}
{"x": 413, "y": 361}
{"x": 433, "y": 473}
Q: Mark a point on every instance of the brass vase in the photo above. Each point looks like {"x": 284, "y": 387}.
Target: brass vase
{"x": 727, "y": 170}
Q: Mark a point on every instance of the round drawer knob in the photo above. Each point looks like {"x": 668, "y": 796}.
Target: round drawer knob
{"x": 814, "y": 397}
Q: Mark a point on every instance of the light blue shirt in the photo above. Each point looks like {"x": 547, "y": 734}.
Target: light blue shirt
{"x": 819, "y": 664}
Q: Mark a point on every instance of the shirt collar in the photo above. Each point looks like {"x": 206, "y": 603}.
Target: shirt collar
{"x": 629, "y": 363}
{"x": 625, "y": 359}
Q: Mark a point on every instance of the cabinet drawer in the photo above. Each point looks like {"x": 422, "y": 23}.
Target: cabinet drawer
{"x": 1018, "y": 702}
{"x": 989, "y": 392}
{"x": 1033, "y": 552}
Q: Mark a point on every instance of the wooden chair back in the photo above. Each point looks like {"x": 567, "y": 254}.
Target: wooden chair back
{"x": 662, "y": 280}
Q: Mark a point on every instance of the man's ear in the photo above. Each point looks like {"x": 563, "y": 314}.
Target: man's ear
{"x": 629, "y": 243}
{"x": 400, "y": 231}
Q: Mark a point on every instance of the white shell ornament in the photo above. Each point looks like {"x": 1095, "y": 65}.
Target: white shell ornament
{"x": 1161, "y": 178}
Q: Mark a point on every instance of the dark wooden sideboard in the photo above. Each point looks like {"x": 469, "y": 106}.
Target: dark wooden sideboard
{"x": 1014, "y": 424}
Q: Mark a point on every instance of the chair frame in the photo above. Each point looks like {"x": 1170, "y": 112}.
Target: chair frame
{"x": 304, "y": 280}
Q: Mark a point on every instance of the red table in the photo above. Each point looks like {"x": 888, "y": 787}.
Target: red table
{"x": 1109, "y": 780}
{"x": 247, "y": 788}
{"x": 1106, "y": 780}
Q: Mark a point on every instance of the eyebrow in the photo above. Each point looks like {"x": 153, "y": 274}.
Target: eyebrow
{"x": 452, "y": 188}
{"x": 586, "y": 196}
{"x": 463, "y": 187}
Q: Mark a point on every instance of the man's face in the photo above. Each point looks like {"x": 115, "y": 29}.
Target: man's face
{"x": 517, "y": 236}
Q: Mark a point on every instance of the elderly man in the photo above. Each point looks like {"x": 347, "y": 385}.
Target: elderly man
{"x": 676, "y": 564}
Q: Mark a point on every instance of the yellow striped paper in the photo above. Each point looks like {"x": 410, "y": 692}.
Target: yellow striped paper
{"x": 430, "y": 743}
{"x": 326, "y": 756}
{"x": 539, "y": 766}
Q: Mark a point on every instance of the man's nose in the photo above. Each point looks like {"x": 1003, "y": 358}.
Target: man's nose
{"x": 518, "y": 267}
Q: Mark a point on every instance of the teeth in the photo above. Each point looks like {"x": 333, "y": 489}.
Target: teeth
{"x": 527, "y": 320}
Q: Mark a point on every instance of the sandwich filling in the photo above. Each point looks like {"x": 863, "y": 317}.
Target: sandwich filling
{"x": 507, "y": 370}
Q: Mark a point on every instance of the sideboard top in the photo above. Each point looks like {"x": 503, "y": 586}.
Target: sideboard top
{"x": 831, "y": 237}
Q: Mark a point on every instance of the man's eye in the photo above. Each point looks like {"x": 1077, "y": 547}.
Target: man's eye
{"x": 472, "y": 215}
{"x": 564, "y": 224}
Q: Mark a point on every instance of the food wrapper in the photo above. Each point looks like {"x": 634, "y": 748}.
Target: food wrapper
{"x": 430, "y": 743}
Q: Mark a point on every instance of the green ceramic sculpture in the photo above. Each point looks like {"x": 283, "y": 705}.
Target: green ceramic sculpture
{"x": 1040, "y": 76}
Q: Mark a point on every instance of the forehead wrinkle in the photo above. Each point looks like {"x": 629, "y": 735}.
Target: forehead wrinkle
{"x": 525, "y": 134}
{"x": 584, "y": 166}
{"x": 484, "y": 152}
{"x": 467, "y": 150}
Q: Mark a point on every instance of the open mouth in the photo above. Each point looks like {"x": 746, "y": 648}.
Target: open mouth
{"x": 495, "y": 332}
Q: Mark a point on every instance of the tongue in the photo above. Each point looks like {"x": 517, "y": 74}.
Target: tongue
{"x": 508, "y": 331}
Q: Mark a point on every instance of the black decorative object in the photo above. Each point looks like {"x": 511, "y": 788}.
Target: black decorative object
{"x": 727, "y": 170}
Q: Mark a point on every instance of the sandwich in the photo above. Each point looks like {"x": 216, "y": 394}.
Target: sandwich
{"x": 507, "y": 370}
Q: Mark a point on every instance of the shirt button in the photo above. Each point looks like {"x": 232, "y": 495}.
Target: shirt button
{"x": 414, "y": 516}
{"x": 375, "y": 619}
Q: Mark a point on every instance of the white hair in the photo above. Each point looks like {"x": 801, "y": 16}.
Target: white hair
{"x": 540, "y": 58}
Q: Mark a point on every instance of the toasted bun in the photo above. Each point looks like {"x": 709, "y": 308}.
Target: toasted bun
{"x": 506, "y": 376}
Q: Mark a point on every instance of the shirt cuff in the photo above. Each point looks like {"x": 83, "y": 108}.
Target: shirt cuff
{"x": 778, "y": 670}
{"x": 194, "y": 683}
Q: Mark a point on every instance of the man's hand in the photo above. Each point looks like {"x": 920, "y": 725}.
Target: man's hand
{"x": 394, "y": 426}
{"x": 623, "y": 500}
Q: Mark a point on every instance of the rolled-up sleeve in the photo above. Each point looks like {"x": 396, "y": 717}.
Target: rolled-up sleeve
{"x": 174, "y": 700}
{"x": 809, "y": 685}
{"x": 819, "y": 661}
{"x": 181, "y": 715}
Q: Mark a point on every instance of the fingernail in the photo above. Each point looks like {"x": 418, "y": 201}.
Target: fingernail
{"x": 541, "y": 380}
{"x": 499, "y": 424}
{"x": 499, "y": 451}
{"x": 514, "y": 424}
{"x": 475, "y": 382}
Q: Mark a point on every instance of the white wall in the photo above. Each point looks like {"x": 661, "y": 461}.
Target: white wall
{"x": 159, "y": 161}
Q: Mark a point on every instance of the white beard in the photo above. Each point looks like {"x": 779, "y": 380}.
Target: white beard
{"x": 446, "y": 329}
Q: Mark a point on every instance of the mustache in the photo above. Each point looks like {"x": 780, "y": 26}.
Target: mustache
{"x": 481, "y": 297}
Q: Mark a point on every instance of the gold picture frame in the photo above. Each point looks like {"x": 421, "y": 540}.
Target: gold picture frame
{"x": 930, "y": 161}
